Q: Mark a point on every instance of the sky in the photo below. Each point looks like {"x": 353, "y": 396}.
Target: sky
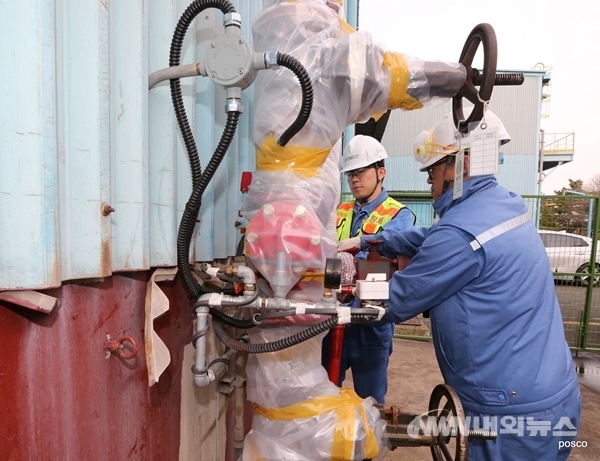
{"x": 563, "y": 35}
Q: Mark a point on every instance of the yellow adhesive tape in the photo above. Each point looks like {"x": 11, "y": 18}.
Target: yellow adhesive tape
{"x": 400, "y": 74}
{"x": 345, "y": 26}
{"x": 345, "y": 406}
{"x": 270, "y": 156}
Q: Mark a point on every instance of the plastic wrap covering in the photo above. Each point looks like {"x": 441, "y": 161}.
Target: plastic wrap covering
{"x": 299, "y": 414}
{"x": 352, "y": 76}
{"x": 288, "y": 233}
{"x": 291, "y": 205}
{"x": 353, "y": 79}
{"x": 434, "y": 82}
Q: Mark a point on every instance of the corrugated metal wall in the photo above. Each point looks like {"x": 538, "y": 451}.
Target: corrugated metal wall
{"x": 518, "y": 107}
{"x": 79, "y": 128}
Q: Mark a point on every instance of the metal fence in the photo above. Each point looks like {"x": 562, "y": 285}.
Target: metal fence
{"x": 566, "y": 224}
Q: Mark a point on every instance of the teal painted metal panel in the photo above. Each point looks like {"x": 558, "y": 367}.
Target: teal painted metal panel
{"x": 130, "y": 246}
{"x": 83, "y": 87}
{"x": 166, "y": 159}
{"x": 83, "y": 130}
{"x": 28, "y": 173}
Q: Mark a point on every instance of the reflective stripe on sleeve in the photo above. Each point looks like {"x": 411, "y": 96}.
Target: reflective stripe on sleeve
{"x": 499, "y": 230}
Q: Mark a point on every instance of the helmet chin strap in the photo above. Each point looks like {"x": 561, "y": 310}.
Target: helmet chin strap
{"x": 366, "y": 200}
{"x": 447, "y": 182}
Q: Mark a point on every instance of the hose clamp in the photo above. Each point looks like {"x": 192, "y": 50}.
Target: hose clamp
{"x": 198, "y": 371}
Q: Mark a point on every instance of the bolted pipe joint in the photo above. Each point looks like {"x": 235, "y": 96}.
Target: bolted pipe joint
{"x": 234, "y": 105}
{"x": 270, "y": 60}
{"x": 232, "y": 19}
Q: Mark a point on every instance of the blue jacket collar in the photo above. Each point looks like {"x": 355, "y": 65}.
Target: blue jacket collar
{"x": 471, "y": 186}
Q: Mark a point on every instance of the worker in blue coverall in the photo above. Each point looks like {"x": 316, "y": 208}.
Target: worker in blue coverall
{"x": 366, "y": 348}
{"x": 483, "y": 274}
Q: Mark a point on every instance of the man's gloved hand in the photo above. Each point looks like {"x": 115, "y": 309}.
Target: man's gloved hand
{"x": 351, "y": 245}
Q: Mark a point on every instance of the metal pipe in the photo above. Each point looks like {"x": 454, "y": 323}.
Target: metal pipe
{"x": 352, "y": 13}
{"x": 175, "y": 72}
{"x": 248, "y": 299}
{"x": 541, "y": 162}
{"x": 203, "y": 374}
{"x": 279, "y": 281}
{"x": 238, "y": 431}
{"x": 590, "y": 288}
{"x": 219, "y": 368}
{"x": 199, "y": 370}
{"x": 246, "y": 274}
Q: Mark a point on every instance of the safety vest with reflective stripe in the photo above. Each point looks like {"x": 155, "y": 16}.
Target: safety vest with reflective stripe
{"x": 378, "y": 218}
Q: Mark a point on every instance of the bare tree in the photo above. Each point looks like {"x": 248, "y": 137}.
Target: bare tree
{"x": 592, "y": 186}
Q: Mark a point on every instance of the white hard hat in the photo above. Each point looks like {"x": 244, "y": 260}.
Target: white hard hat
{"x": 443, "y": 139}
{"x": 362, "y": 151}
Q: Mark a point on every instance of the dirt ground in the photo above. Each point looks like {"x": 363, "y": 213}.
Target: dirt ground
{"x": 413, "y": 373}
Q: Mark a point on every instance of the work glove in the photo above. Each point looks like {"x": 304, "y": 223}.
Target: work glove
{"x": 348, "y": 272}
{"x": 351, "y": 245}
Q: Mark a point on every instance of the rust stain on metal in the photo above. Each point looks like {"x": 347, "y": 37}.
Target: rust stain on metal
{"x": 395, "y": 414}
{"x": 55, "y": 279}
{"x": 55, "y": 351}
{"x": 106, "y": 315}
{"x": 105, "y": 259}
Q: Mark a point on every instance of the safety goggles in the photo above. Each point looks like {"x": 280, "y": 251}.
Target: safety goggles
{"x": 430, "y": 170}
{"x": 358, "y": 172}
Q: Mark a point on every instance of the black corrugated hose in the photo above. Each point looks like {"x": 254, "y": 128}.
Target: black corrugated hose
{"x": 231, "y": 321}
{"x": 199, "y": 180}
{"x": 291, "y": 63}
{"x": 278, "y": 345}
{"x": 183, "y": 24}
{"x": 192, "y": 208}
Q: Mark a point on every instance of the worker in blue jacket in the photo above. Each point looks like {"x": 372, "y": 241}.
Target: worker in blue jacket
{"x": 484, "y": 275}
{"x": 366, "y": 348}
